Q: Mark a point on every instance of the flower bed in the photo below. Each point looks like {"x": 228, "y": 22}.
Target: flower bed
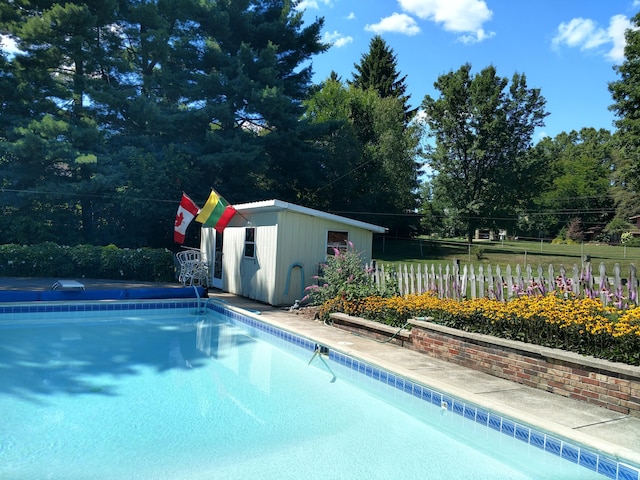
{"x": 554, "y": 341}
{"x": 579, "y": 325}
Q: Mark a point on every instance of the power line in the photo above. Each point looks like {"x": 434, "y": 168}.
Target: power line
{"x": 470, "y": 217}
{"x": 564, "y": 212}
{"x": 345, "y": 175}
{"x": 85, "y": 195}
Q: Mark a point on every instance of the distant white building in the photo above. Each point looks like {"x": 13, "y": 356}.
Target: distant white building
{"x": 271, "y": 250}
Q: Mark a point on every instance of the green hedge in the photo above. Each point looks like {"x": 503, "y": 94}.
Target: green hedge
{"x": 87, "y": 261}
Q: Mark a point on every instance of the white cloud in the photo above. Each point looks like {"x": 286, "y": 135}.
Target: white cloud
{"x": 586, "y": 34}
{"x": 8, "y": 45}
{"x": 541, "y": 135}
{"x": 421, "y": 115}
{"x": 459, "y": 16}
{"x": 580, "y": 32}
{"x": 336, "y": 39}
{"x": 396, "y": 23}
{"x": 308, "y": 5}
{"x": 475, "y": 37}
{"x": 617, "y": 26}
{"x": 312, "y": 4}
{"x": 352, "y": 16}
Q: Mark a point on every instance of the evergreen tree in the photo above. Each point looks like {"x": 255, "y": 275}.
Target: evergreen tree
{"x": 124, "y": 104}
{"x": 52, "y": 148}
{"x": 626, "y": 96}
{"x": 378, "y": 70}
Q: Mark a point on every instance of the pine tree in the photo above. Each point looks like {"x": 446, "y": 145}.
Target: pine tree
{"x": 626, "y": 96}
{"x": 253, "y": 87}
{"x": 378, "y": 70}
{"x": 122, "y": 102}
{"x": 53, "y": 147}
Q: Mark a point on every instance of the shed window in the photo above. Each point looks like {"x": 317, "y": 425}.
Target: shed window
{"x": 250, "y": 242}
{"x": 337, "y": 240}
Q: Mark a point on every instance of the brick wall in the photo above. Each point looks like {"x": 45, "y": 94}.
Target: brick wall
{"x": 610, "y": 385}
{"x": 371, "y": 329}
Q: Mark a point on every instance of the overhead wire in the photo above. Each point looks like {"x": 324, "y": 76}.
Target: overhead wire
{"x": 84, "y": 195}
{"x": 563, "y": 212}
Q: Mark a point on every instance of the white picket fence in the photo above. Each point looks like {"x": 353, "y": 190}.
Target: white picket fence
{"x": 491, "y": 282}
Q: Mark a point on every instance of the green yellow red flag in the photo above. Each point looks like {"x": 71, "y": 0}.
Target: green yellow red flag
{"x": 216, "y": 212}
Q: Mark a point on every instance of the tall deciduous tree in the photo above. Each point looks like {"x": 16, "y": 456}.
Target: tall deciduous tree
{"x": 577, "y": 182}
{"x": 624, "y": 190}
{"x": 626, "y": 91}
{"x": 369, "y": 169}
{"x": 483, "y": 129}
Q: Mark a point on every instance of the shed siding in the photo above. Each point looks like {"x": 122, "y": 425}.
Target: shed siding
{"x": 296, "y": 246}
{"x": 290, "y": 246}
{"x": 251, "y": 277}
{"x": 303, "y": 240}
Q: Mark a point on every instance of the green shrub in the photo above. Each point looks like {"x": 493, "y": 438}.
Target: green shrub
{"x": 81, "y": 261}
{"x": 344, "y": 275}
{"x": 580, "y": 325}
{"x": 628, "y": 240}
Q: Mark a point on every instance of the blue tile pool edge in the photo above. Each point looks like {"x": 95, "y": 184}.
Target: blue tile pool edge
{"x": 596, "y": 461}
{"x": 599, "y": 462}
{"x": 99, "y": 306}
{"x": 581, "y": 455}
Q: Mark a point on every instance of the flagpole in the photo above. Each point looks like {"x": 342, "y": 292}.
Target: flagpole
{"x": 245, "y": 218}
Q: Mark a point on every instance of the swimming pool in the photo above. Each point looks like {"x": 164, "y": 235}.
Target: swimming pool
{"x": 169, "y": 389}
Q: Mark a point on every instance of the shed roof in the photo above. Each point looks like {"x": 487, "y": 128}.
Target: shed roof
{"x": 279, "y": 205}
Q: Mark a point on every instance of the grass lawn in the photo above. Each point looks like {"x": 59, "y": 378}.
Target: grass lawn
{"x": 428, "y": 251}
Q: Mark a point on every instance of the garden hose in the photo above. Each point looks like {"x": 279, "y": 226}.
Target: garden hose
{"x": 382, "y": 341}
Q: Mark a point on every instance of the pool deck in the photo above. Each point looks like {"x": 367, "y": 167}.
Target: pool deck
{"x": 596, "y": 427}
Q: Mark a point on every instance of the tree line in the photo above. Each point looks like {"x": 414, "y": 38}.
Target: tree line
{"x": 110, "y": 109}
{"x": 577, "y": 186}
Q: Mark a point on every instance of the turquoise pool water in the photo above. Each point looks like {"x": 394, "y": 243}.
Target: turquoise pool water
{"x": 150, "y": 392}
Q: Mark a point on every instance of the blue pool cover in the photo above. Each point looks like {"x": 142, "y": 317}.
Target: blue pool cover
{"x": 112, "y": 294}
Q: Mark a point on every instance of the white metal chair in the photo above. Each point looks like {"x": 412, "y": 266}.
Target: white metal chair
{"x": 193, "y": 270}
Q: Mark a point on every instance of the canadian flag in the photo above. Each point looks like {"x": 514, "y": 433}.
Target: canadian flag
{"x": 186, "y": 213}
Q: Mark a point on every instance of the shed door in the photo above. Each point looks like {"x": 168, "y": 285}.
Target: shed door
{"x": 216, "y": 277}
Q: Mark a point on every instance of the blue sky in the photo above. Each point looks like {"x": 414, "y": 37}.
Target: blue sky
{"x": 567, "y": 48}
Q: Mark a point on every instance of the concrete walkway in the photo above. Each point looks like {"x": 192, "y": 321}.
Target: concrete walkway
{"x": 604, "y": 430}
